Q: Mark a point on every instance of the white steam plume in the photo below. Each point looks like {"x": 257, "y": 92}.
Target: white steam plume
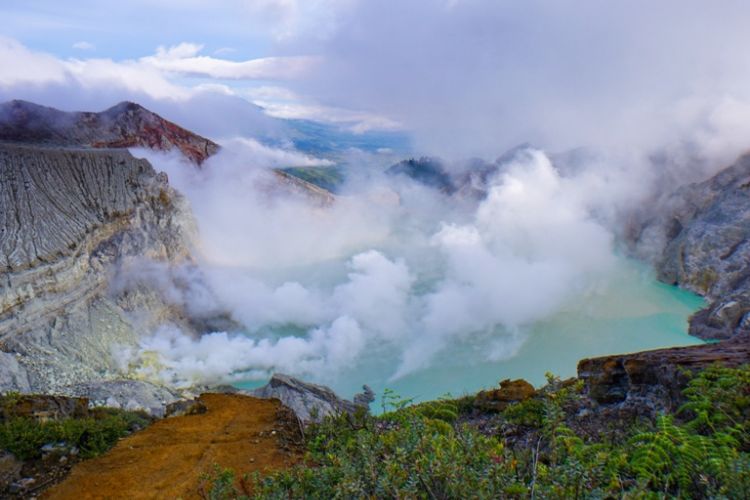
{"x": 317, "y": 290}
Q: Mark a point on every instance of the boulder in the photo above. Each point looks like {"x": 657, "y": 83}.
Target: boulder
{"x": 310, "y": 402}
{"x": 510, "y": 391}
{"x": 184, "y": 407}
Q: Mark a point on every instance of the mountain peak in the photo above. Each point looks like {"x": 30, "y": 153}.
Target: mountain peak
{"x": 126, "y": 124}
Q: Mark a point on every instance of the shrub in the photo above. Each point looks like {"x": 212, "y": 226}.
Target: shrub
{"x": 422, "y": 451}
{"x": 25, "y": 437}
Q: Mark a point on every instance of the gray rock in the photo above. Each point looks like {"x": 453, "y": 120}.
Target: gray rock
{"x": 310, "y": 402}
{"x": 131, "y": 395}
{"x": 13, "y": 377}
{"x": 68, "y": 218}
{"x": 703, "y": 233}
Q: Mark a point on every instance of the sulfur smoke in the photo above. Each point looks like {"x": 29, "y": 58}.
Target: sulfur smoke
{"x": 392, "y": 268}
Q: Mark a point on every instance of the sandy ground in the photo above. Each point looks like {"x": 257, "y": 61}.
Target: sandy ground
{"x": 167, "y": 459}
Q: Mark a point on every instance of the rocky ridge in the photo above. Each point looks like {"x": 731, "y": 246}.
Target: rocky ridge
{"x": 124, "y": 125}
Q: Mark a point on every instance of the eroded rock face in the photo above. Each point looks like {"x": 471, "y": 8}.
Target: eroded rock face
{"x": 704, "y": 232}
{"x": 655, "y": 379}
{"x": 66, "y": 218}
{"x": 122, "y": 126}
{"x": 310, "y": 402}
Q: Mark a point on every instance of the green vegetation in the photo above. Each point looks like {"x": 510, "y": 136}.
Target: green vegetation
{"x": 25, "y": 437}
{"x": 434, "y": 451}
{"x": 329, "y": 178}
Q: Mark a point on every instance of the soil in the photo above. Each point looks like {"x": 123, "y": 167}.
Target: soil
{"x": 167, "y": 459}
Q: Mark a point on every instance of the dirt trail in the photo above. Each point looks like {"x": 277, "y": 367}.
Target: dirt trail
{"x": 167, "y": 459}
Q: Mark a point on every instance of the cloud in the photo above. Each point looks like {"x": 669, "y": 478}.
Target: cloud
{"x": 222, "y": 51}
{"x": 29, "y": 68}
{"x": 398, "y": 270}
{"x": 159, "y": 82}
{"x": 477, "y": 77}
{"x": 185, "y": 59}
{"x": 82, "y": 45}
{"x": 290, "y": 19}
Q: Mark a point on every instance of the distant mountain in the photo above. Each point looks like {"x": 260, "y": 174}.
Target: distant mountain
{"x": 125, "y": 125}
{"x": 428, "y": 171}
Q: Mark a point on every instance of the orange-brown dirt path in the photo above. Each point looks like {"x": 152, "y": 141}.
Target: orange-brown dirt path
{"x": 167, "y": 459}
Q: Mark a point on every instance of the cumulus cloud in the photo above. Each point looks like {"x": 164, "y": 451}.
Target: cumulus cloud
{"x": 160, "y": 82}
{"x": 185, "y": 59}
{"x": 30, "y": 68}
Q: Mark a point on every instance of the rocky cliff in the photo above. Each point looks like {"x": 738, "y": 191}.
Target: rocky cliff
{"x": 703, "y": 233}
{"x": 653, "y": 380}
{"x": 66, "y": 217}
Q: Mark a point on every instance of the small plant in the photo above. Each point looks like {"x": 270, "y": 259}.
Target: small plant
{"x": 219, "y": 484}
{"x": 390, "y": 401}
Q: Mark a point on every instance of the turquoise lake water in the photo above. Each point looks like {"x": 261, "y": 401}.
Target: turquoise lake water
{"x": 633, "y": 312}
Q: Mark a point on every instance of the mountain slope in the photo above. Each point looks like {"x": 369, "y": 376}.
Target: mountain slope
{"x": 122, "y": 126}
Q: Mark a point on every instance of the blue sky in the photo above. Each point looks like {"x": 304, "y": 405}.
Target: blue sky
{"x": 132, "y": 29}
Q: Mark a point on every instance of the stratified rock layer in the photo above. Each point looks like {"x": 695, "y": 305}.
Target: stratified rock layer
{"x": 67, "y": 216}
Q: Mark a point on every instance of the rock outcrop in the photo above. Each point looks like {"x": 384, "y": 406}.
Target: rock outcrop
{"x": 510, "y": 391}
{"x": 704, "y": 232}
{"x": 122, "y": 126}
{"x": 67, "y": 216}
{"x": 131, "y": 395}
{"x": 654, "y": 379}
{"x": 310, "y": 402}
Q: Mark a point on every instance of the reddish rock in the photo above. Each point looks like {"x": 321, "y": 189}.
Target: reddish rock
{"x": 122, "y": 126}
